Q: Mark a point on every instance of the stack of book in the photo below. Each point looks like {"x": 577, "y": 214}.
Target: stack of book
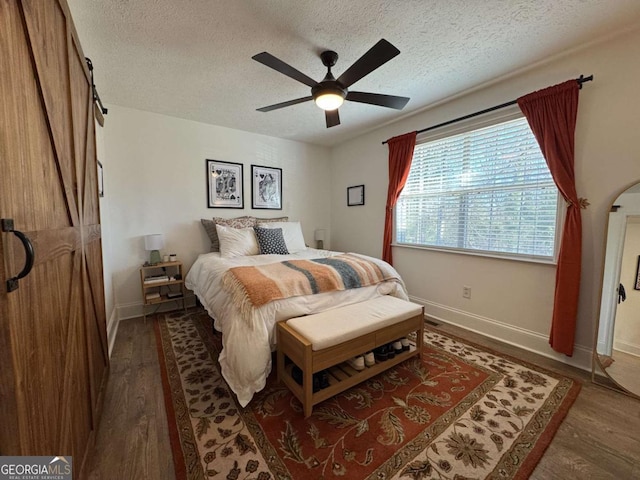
{"x": 156, "y": 279}
{"x": 152, "y": 297}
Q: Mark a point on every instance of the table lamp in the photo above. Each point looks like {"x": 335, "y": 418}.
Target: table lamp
{"x": 154, "y": 242}
{"x": 319, "y": 237}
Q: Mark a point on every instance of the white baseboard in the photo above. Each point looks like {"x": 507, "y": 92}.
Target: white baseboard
{"x": 112, "y": 329}
{"x": 136, "y": 309}
{"x": 630, "y": 348}
{"x": 129, "y": 310}
{"x": 520, "y": 337}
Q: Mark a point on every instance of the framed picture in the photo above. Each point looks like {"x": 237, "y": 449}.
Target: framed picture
{"x": 355, "y": 195}
{"x": 266, "y": 187}
{"x": 224, "y": 184}
{"x": 637, "y": 285}
{"x": 100, "y": 180}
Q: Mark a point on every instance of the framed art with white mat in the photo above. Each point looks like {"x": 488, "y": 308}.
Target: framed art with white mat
{"x": 224, "y": 184}
{"x": 266, "y": 187}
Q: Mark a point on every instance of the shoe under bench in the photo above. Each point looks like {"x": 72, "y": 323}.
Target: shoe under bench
{"x": 325, "y": 340}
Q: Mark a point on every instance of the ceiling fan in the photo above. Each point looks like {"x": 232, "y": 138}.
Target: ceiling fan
{"x": 331, "y": 92}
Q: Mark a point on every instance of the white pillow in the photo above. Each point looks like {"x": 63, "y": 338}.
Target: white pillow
{"x": 292, "y": 233}
{"x": 236, "y": 242}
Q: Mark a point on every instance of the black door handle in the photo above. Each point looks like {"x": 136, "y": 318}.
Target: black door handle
{"x": 7, "y": 226}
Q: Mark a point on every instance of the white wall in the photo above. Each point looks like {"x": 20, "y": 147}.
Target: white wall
{"x": 155, "y": 182}
{"x": 510, "y": 300}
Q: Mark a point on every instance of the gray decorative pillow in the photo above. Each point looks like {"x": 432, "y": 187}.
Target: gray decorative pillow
{"x": 237, "y": 222}
{"x": 271, "y": 241}
{"x": 210, "y": 228}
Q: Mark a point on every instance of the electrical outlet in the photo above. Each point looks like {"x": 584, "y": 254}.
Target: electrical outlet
{"x": 466, "y": 292}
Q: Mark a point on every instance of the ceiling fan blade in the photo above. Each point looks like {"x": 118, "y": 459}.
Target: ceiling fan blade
{"x": 285, "y": 104}
{"x": 284, "y": 68}
{"x": 390, "y": 101}
{"x": 377, "y": 56}
{"x": 333, "y": 118}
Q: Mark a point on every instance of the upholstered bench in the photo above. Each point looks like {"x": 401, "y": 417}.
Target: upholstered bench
{"x": 324, "y": 341}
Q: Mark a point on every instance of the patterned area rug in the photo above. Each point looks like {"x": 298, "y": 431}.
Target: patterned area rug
{"x": 461, "y": 412}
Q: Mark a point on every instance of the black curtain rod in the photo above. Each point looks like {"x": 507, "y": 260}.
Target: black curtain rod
{"x": 580, "y": 81}
{"x": 96, "y": 97}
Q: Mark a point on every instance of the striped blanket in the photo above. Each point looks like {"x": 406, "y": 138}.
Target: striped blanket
{"x": 254, "y": 286}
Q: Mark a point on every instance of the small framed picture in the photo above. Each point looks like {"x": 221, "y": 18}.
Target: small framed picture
{"x": 355, "y": 195}
{"x": 637, "y": 285}
{"x": 224, "y": 184}
{"x": 100, "y": 180}
{"x": 266, "y": 187}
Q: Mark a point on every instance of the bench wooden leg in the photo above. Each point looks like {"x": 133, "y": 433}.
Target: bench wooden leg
{"x": 420, "y": 337}
{"x": 307, "y": 384}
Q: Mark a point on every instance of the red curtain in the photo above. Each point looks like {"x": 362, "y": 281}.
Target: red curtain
{"x": 551, "y": 114}
{"x": 400, "y": 157}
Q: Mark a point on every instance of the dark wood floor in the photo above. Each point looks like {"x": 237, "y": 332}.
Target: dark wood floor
{"x": 599, "y": 439}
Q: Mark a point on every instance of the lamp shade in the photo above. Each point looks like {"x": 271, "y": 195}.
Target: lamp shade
{"x": 154, "y": 241}
{"x": 319, "y": 235}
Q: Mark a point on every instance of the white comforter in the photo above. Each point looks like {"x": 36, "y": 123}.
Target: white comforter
{"x": 246, "y": 346}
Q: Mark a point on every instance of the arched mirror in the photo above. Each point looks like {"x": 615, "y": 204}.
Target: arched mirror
{"x": 616, "y": 359}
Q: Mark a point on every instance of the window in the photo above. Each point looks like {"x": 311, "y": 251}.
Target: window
{"x": 487, "y": 190}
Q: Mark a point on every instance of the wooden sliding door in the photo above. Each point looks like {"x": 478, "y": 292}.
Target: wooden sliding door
{"x": 53, "y": 347}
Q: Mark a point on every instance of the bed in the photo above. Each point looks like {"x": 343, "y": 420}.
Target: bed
{"x": 248, "y": 334}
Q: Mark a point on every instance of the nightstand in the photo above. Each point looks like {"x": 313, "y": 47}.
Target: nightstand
{"x": 162, "y": 283}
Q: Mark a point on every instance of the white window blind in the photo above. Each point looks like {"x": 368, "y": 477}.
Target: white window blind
{"x": 486, "y": 190}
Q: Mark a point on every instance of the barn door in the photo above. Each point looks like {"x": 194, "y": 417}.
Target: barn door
{"x": 53, "y": 349}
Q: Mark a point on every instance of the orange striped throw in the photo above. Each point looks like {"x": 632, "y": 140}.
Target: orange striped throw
{"x": 258, "y": 285}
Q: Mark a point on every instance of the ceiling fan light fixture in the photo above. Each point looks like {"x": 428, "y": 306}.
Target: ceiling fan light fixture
{"x": 329, "y": 100}
{"x": 331, "y": 92}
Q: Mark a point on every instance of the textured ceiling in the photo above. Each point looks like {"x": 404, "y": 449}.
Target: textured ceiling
{"x": 192, "y": 58}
